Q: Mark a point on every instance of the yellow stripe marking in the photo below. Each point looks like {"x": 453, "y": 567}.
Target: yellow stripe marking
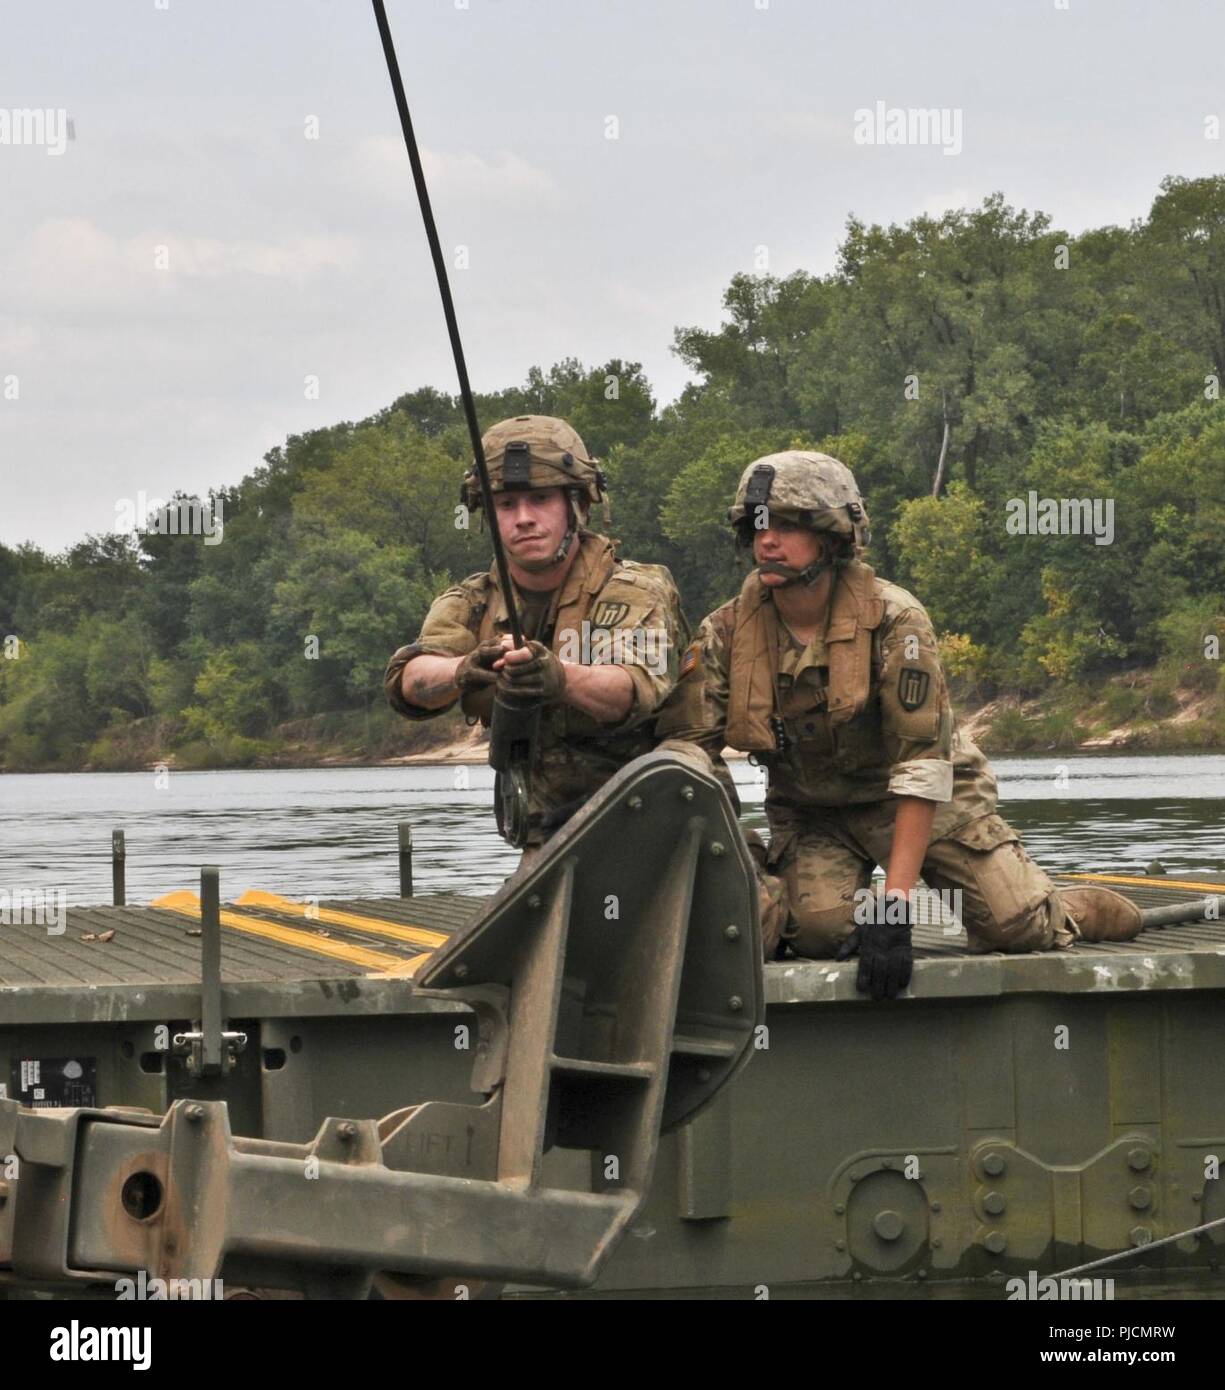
{"x": 188, "y": 905}
{"x": 416, "y": 936}
{"x": 1176, "y": 884}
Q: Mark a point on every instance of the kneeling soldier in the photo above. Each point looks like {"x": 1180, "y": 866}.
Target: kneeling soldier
{"x": 601, "y": 632}
{"x": 831, "y": 678}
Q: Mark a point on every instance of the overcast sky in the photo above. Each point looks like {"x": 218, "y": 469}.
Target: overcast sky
{"x": 288, "y": 257}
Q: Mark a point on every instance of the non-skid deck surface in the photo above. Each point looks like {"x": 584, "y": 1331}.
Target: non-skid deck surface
{"x": 157, "y": 946}
{"x": 270, "y": 943}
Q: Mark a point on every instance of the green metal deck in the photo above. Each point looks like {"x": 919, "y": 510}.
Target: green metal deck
{"x": 154, "y": 956}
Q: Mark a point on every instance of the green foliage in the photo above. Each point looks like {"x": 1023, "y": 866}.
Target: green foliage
{"x": 46, "y": 715}
{"x": 360, "y": 601}
{"x": 956, "y": 363}
{"x": 942, "y": 550}
{"x": 965, "y": 661}
{"x": 115, "y": 667}
{"x": 1192, "y": 635}
{"x": 232, "y": 695}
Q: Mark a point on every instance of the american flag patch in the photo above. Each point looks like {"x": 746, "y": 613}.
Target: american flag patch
{"x": 690, "y": 660}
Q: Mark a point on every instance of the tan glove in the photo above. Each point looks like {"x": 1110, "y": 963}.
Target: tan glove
{"x": 541, "y": 680}
{"x": 476, "y": 669}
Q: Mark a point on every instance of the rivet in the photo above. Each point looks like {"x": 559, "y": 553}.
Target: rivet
{"x": 735, "y": 1003}
{"x": 195, "y": 1113}
{"x": 886, "y": 1163}
{"x": 856, "y": 1276}
{"x": 718, "y": 848}
{"x": 1140, "y": 1198}
{"x": 1138, "y": 1160}
{"x": 840, "y": 1245}
{"x": 936, "y": 1242}
{"x": 994, "y": 1203}
{"x": 732, "y": 933}
{"x": 1141, "y": 1235}
{"x": 686, "y": 793}
{"x": 993, "y": 1164}
{"x": 935, "y": 1206}
{"x": 839, "y": 1208}
{"x": 996, "y": 1242}
{"x": 922, "y": 1274}
{"x": 347, "y": 1131}
{"x": 703, "y": 1073}
{"x": 1197, "y": 1196}
{"x": 461, "y": 971}
{"x": 888, "y": 1225}
{"x": 854, "y": 1177}
{"x": 635, "y": 803}
{"x": 534, "y": 900}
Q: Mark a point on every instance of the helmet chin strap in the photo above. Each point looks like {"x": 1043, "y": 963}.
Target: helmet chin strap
{"x": 808, "y": 575}
{"x": 540, "y": 566}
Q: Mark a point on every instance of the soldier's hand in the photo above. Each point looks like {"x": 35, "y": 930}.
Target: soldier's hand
{"x": 532, "y": 673}
{"x": 886, "y": 955}
{"x": 477, "y": 668}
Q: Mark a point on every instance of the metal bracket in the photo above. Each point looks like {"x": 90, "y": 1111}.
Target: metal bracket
{"x": 210, "y": 1050}
{"x": 598, "y": 1029}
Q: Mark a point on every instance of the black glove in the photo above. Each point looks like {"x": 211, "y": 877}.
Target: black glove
{"x": 886, "y": 956}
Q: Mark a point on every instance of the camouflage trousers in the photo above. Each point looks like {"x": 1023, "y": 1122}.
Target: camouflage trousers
{"x": 822, "y": 858}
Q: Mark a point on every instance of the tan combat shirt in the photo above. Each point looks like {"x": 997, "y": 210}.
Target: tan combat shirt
{"x": 891, "y": 748}
{"x": 608, "y": 611}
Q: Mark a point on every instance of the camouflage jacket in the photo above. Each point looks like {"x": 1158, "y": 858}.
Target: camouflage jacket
{"x": 901, "y": 741}
{"x": 608, "y": 610}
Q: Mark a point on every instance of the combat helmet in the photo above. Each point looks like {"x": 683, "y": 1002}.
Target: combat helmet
{"x": 538, "y": 451}
{"x": 535, "y": 451}
{"x": 811, "y": 489}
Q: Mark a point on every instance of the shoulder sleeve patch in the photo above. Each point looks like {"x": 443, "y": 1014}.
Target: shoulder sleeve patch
{"x": 689, "y": 662}
{"x": 609, "y": 612}
{"x": 913, "y": 686}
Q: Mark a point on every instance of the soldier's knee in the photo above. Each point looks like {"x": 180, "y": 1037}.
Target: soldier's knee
{"x": 818, "y": 932}
{"x": 1042, "y": 928}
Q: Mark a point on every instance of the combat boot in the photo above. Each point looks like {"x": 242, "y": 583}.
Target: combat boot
{"x": 1101, "y": 914}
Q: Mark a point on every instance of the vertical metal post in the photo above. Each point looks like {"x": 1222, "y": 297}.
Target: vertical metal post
{"x": 210, "y": 972}
{"x": 406, "y": 859}
{"x": 119, "y": 896}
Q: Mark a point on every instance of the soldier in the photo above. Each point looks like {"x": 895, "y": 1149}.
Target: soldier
{"x": 601, "y": 632}
{"x": 831, "y": 678}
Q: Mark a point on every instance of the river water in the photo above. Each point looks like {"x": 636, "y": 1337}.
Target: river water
{"x": 331, "y": 832}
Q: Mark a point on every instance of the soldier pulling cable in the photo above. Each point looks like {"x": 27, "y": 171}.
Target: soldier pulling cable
{"x": 516, "y": 714}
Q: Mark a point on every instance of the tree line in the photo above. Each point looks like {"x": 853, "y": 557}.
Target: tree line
{"x": 956, "y": 363}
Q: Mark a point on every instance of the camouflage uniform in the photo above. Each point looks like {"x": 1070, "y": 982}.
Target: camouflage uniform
{"x": 833, "y": 786}
{"x": 606, "y": 599}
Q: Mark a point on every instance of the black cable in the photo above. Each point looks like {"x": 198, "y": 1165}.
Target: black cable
{"x": 448, "y": 308}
